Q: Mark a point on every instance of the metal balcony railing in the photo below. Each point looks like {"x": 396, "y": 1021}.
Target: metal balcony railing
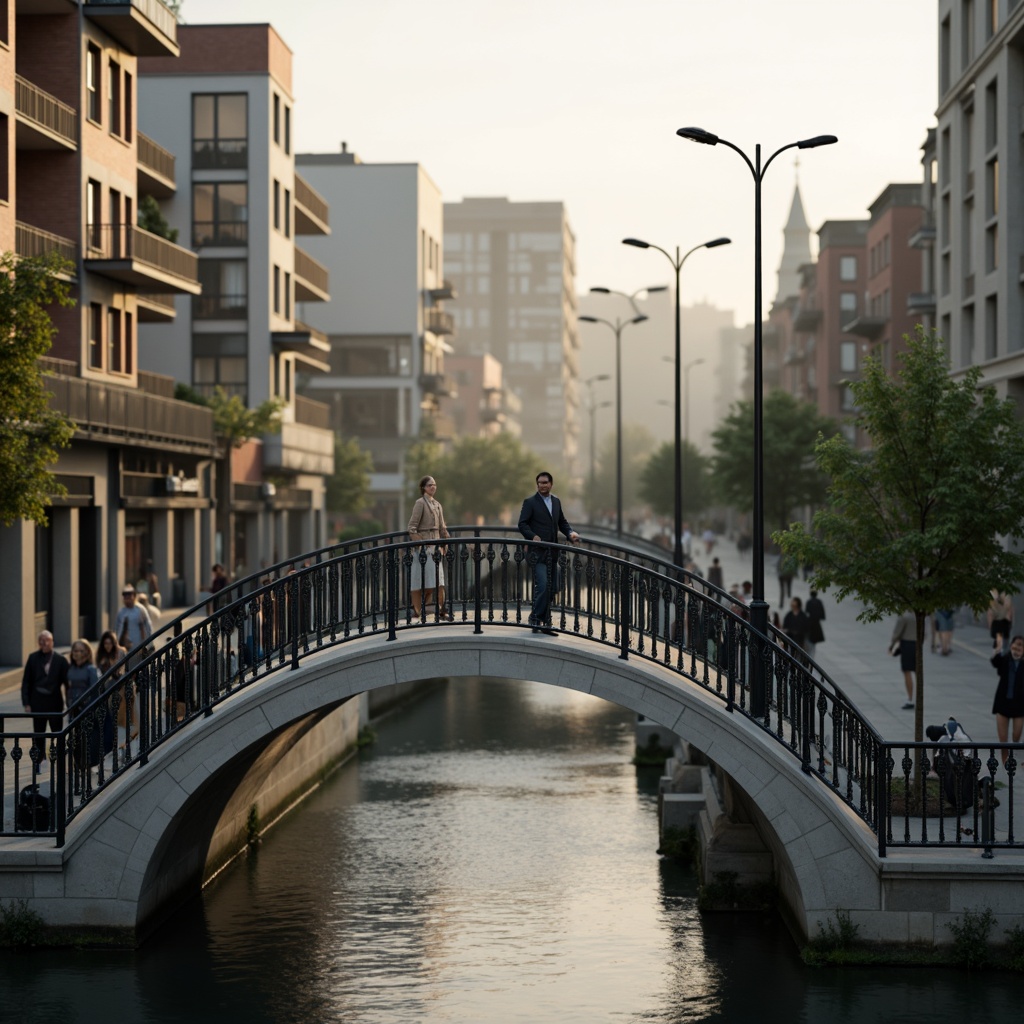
{"x": 437, "y": 321}
{"x": 30, "y": 241}
{"x": 310, "y": 271}
{"x": 306, "y": 196}
{"x": 154, "y": 157}
{"x": 38, "y": 106}
{"x": 156, "y": 12}
{"x": 311, "y": 413}
{"x": 128, "y": 242}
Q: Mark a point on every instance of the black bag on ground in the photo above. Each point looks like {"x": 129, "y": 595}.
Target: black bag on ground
{"x": 959, "y": 785}
{"x": 33, "y": 811}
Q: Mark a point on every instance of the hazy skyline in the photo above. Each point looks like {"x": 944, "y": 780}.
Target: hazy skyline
{"x": 579, "y": 100}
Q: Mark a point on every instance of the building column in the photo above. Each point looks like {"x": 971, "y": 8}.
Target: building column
{"x": 191, "y": 565}
{"x": 65, "y": 610}
{"x": 17, "y": 595}
{"x": 281, "y": 545}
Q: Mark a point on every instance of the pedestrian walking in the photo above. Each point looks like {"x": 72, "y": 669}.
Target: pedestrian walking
{"x": 944, "y": 627}
{"x": 816, "y": 614}
{"x": 132, "y": 625}
{"x": 796, "y": 625}
{"x": 426, "y": 523}
{"x": 715, "y": 575}
{"x": 82, "y": 673}
{"x": 786, "y": 570}
{"x": 540, "y": 519}
{"x": 1009, "y": 700}
{"x": 904, "y": 644}
{"x": 1000, "y": 616}
{"x": 43, "y": 686}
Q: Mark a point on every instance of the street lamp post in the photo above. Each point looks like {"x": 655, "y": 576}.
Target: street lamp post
{"x": 677, "y": 266}
{"x": 758, "y": 605}
{"x": 686, "y": 398}
{"x": 617, "y": 327}
{"x": 592, "y": 409}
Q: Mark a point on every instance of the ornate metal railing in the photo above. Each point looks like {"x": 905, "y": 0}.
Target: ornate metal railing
{"x": 638, "y": 606}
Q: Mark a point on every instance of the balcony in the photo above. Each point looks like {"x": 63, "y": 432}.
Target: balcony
{"x": 137, "y": 257}
{"x": 922, "y": 303}
{"x": 439, "y": 385}
{"x": 793, "y": 355}
{"x": 923, "y": 237}
{"x": 311, "y": 212}
{"x": 870, "y": 327}
{"x": 311, "y": 279}
{"x": 807, "y": 319}
{"x": 42, "y": 120}
{"x": 211, "y": 306}
{"x": 146, "y": 28}
{"x": 155, "y": 169}
{"x": 311, "y": 413}
{"x": 299, "y": 448}
{"x": 119, "y": 415}
{"x": 437, "y": 321}
{"x": 442, "y": 294}
{"x": 309, "y": 346}
{"x": 30, "y": 241}
{"x": 154, "y": 308}
{"x": 247, "y": 497}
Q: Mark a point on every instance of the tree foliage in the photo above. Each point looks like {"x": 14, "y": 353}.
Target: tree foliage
{"x": 791, "y": 478}
{"x": 152, "y": 219}
{"x": 915, "y": 522}
{"x": 348, "y": 489}
{"x": 31, "y": 433}
{"x": 236, "y": 423}
{"x": 482, "y": 477}
{"x": 658, "y": 480}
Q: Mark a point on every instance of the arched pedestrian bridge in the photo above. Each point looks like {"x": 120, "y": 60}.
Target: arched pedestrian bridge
{"x": 130, "y": 836}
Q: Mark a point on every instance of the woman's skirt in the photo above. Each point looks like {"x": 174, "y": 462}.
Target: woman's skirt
{"x": 429, "y": 576}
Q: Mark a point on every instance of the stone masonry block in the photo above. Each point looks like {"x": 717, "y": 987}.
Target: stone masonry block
{"x": 916, "y": 894}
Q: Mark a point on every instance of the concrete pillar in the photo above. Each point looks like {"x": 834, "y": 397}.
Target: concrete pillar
{"x": 207, "y": 547}
{"x": 17, "y": 595}
{"x": 281, "y": 545}
{"x": 191, "y": 565}
{"x": 65, "y": 605}
{"x": 163, "y": 549}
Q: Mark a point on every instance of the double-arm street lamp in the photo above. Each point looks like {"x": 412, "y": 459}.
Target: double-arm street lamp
{"x": 631, "y": 298}
{"x": 758, "y": 605}
{"x": 677, "y": 266}
{"x": 617, "y": 326}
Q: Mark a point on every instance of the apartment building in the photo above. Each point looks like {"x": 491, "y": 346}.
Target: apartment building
{"x": 225, "y": 109}
{"x": 980, "y": 227}
{"x": 387, "y": 329}
{"x": 485, "y": 406}
{"x": 513, "y": 265}
{"x": 73, "y": 170}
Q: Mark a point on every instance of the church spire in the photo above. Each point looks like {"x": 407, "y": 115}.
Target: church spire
{"x": 796, "y": 249}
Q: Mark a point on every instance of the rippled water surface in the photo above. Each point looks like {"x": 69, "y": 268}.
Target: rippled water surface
{"x": 490, "y": 859}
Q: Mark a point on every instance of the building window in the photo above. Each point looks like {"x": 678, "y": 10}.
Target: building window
{"x": 992, "y": 248}
{"x": 129, "y": 343}
{"x": 5, "y": 161}
{"x": 220, "y": 213}
{"x": 277, "y": 120}
{"x": 277, "y": 205}
{"x": 5, "y": 30}
{"x": 114, "y": 361}
{"x": 992, "y": 19}
{"x": 277, "y": 289}
{"x": 847, "y": 401}
{"x": 945, "y": 56}
{"x": 92, "y": 83}
{"x": 369, "y": 413}
{"x": 847, "y": 268}
{"x": 370, "y": 356}
{"x": 991, "y": 327}
{"x": 287, "y": 295}
{"x": 992, "y": 188}
{"x": 95, "y": 336}
{"x": 288, "y": 130}
{"x": 220, "y": 360}
{"x": 848, "y": 302}
{"x": 967, "y": 31}
{"x": 219, "y": 130}
{"x": 848, "y": 356}
{"x": 114, "y": 97}
{"x": 287, "y": 213}
{"x": 225, "y": 290}
{"x": 129, "y": 108}
{"x": 94, "y": 214}
{"x": 992, "y": 114}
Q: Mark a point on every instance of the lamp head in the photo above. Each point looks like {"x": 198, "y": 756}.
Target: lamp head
{"x": 639, "y": 319}
{"x": 602, "y": 291}
{"x": 698, "y": 135}
{"x": 600, "y": 376}
{"x": 589, "y": 319}
{"x": 818, "y": 140}
{"x": 636, "y": 242}
{"x": 715, "y": 242}
{"x": 656, "y": 288}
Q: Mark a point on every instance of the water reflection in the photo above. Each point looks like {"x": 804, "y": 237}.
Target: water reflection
{"x": 490, "y": 859}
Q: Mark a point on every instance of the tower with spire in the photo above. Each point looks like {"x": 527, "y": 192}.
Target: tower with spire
{"x": 796, "y": 249}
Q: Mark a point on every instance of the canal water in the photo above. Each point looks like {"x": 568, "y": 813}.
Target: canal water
{"x": 490, "y": 859}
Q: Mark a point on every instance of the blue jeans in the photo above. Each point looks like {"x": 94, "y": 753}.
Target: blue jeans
{"x": 543, "y": 570}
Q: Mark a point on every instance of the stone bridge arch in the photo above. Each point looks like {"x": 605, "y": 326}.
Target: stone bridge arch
{"x": 140, "y": 848}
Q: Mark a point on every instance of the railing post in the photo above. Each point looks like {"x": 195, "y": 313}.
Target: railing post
{"x": 295, "y": 618}
{"x": 142, "y": 699}
{"x": 881, "y": 810}
{"x": 988, "y": 817}
{"x": 624, "y": 609}
{"x": 392, "y": 559}
{"x": 60, "y": 810}
{"x": 477, "y": 583}
{"x": 807, "y": 713}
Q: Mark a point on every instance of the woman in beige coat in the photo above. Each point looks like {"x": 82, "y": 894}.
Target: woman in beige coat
{"x": 425, "y": 524}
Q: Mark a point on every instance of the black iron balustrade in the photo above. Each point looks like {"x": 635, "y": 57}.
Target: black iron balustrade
{"x": 610, "y": 597}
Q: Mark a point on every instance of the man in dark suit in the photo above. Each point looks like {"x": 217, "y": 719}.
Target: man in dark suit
{"x": 43, "y": 686}
{"x": 540, "y": 520}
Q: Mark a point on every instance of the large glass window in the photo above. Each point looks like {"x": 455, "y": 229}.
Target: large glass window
{"x": 848, "y": 356}
{"x": 219, "y": 130}
{"x": 220, "y": 360}
{"x": 114, "y": 96}
{"x": 368, "y": 413}
{"x": 225, "y": 290}
{"x": 380, "y": 356}
{"x": 848, "y": 268}
{"x": 93, "y": 60}
{"x": 220, "y": 213}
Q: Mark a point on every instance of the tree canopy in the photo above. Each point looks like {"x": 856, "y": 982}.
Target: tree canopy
{"x": 348, "y": 489}
{"x": 791, "y": 478}
{"x": 658, "y": 479}
{"x": 915, "y": 523}
{"x": 30, "y": 431}
{"x": 236, "y": 423}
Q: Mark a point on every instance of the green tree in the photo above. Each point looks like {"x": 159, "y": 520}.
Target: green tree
{"x": 152, "y": 219}
{"x": 481, "y": 477}
{"x": 348, "y": 489}
{"x": 791, "y": 478}
{"x": 915, "y": 522}
{"x": 601, "y": 494}
{"x": 236, "y": 423}
{"x": 30, "y": 431}
{"x": 658, "y": 480}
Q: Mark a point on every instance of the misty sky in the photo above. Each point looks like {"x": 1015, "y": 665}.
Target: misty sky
{"x": 579, "y": 100}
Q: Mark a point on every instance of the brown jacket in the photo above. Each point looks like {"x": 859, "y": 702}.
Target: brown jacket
{"x": 427, "y": 520}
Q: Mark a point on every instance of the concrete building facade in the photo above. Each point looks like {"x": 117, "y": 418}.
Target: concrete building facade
{"x": 387, "y": 328}
{"x": 513, "y": 265}
{"x": 225, "y": 109}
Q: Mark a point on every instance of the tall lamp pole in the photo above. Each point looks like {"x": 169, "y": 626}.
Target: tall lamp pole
{"x": 758, "y": 606}
{"x": 617, "y": 327}
{"x": 592, "y": 409}
{"x": 686, "y": 396}
{"x": 677, "y": 266}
